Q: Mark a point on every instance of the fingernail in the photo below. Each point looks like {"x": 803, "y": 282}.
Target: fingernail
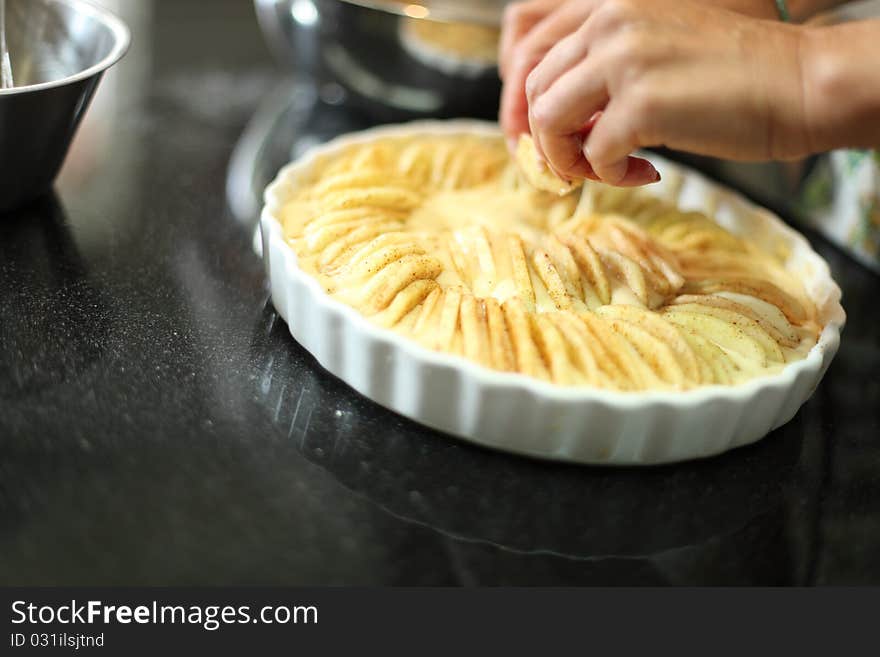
{"x": 511, "y": 144}
{"x": 656, "y": 177}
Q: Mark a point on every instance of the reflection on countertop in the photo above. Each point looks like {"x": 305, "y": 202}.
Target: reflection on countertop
{"x": 160, "y": 426}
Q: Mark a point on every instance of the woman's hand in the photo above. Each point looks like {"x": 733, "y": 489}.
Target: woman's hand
{"x": 528, "y": 33}
{"x": 665, "y": 72}
{"x": 593, "y": 80}
{"x": 530, "y": 29}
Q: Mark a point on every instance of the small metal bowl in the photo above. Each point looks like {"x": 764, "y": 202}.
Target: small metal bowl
{"x": 59, "y": 51}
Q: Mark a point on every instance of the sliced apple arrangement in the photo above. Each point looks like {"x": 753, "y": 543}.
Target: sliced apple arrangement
{"x": 446, "y": 241}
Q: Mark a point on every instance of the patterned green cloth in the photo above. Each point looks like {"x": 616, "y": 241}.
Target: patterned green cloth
{"x": 841, "y": 198}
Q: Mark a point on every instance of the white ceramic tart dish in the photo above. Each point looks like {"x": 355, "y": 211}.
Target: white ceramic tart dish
{"x": 522, "y": 414}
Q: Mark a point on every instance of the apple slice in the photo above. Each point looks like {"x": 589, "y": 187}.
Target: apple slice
{"x": 748, "y": 325}
{"x": 725, "y": 335}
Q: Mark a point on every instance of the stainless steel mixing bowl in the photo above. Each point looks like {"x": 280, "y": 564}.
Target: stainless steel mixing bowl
{"x": 361, "y": 45}
{"x": 59, "y": 51}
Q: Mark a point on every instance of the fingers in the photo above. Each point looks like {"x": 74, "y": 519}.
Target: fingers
{"x": 525, "y": 55}
{"x": 514, "y": 113}
{"x": 609, "y": 144}
{"x": 562, "y": 57}
{"x": 557, "y": 117}
{"x": 567, "y": 91}
{"x": 519, "y": 18}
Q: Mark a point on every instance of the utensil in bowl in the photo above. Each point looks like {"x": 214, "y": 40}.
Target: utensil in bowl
{"x": 59, "y": 49}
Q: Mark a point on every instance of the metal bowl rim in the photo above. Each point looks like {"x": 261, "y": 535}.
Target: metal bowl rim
{"x": 122, "y": 41}
{"x": 488, "y": 16}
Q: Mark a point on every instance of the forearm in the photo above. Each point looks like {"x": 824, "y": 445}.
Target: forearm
{"x": 841, "y": 85}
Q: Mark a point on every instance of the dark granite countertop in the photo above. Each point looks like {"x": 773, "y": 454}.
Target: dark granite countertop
{"x": 158, "y": 425}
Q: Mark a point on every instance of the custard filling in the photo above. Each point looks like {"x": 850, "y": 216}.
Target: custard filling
{"x": 444, "y": 240}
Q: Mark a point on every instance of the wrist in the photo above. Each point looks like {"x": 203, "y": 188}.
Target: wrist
{"x": 840, "y": 86}
{"x": 781, "y": 68}
{"x": 810, "y": 113}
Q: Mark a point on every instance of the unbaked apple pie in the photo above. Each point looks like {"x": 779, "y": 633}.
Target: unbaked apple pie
{"x": 443, "y": 239}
